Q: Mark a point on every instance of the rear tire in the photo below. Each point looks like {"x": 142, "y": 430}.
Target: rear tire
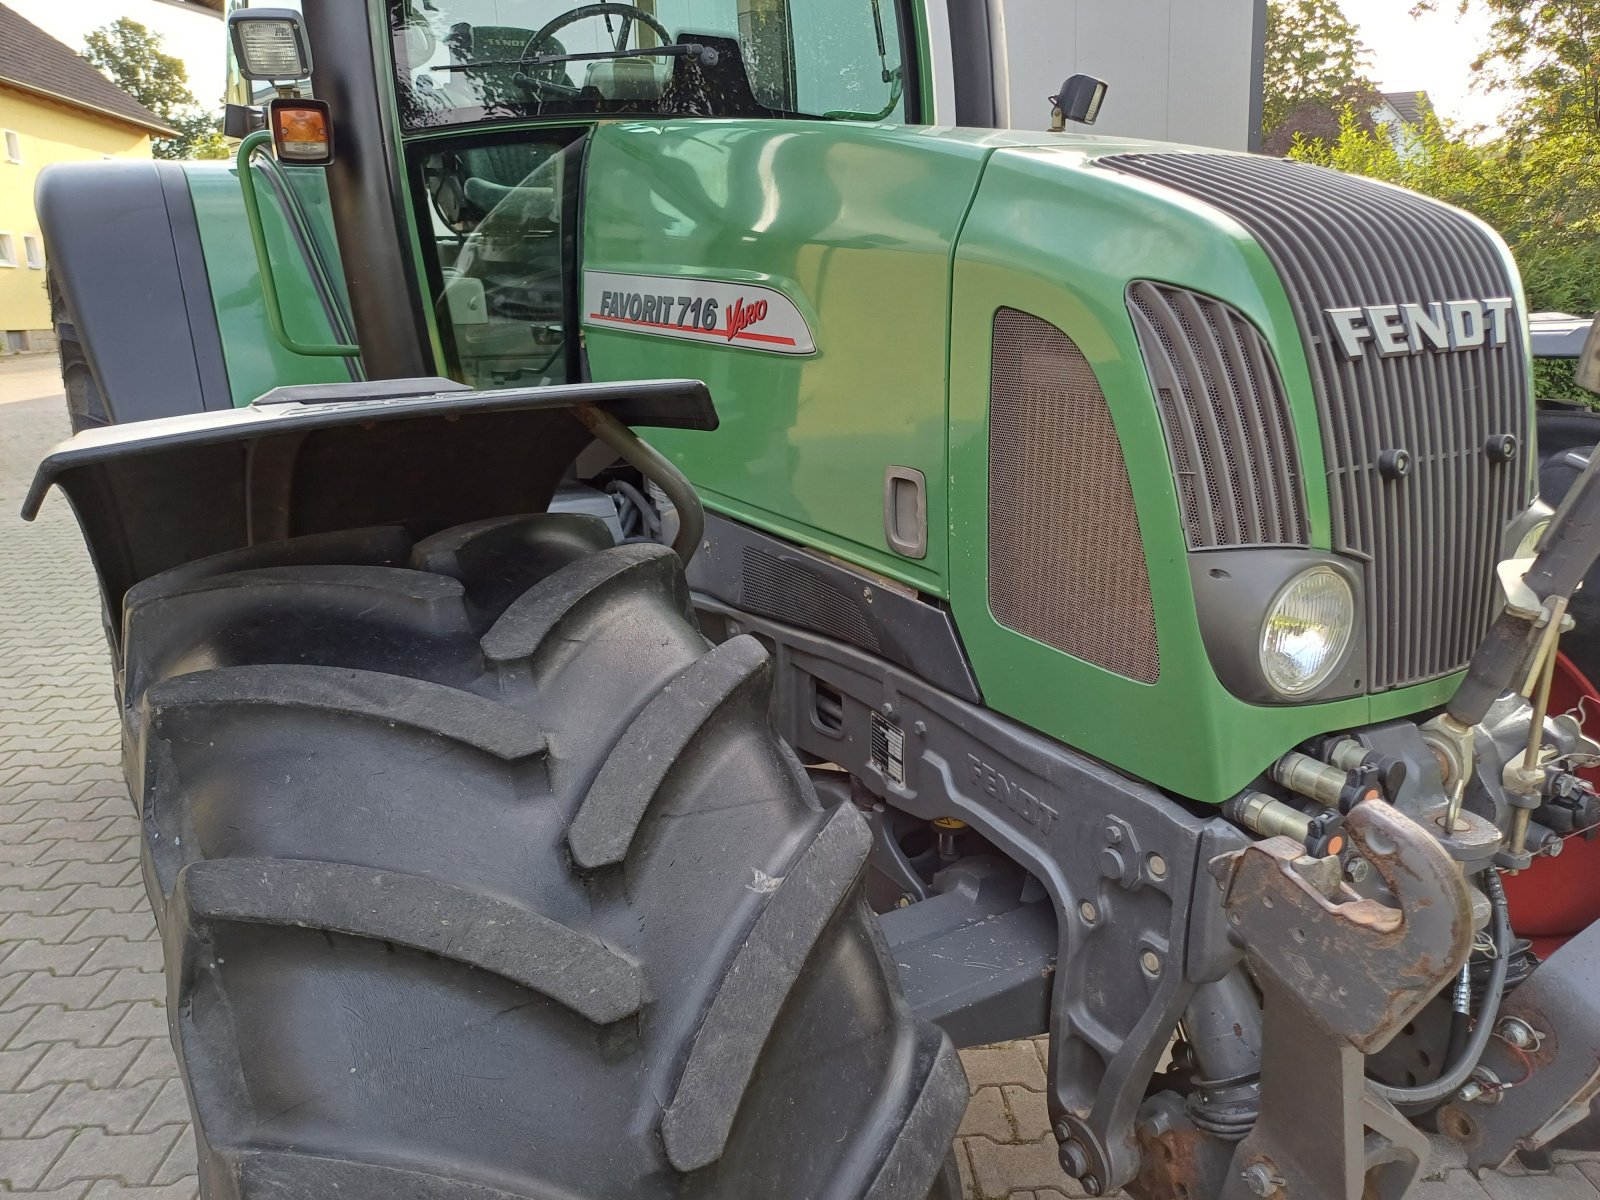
{"x": 86, "y": 407}
{"x": 479, "y": 875}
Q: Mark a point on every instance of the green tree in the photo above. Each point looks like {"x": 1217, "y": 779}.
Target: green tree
{"x": 1542, "y": 193}
{"x": 1314, "y": 66}
{"x": 1547, "y": 54}
{"x": 132, "y": 56}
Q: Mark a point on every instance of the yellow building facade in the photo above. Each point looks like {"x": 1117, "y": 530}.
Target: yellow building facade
{"x": 54, "y": 108}
{"x": 35, "y": 132}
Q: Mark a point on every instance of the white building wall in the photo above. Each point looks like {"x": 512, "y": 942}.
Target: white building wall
{"x": 1179, "y": 70}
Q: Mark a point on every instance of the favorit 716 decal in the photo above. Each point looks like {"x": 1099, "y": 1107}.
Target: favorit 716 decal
{"x": 696, "y": 310}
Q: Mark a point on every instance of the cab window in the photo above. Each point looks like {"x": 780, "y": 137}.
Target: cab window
{"x": 463, "y": 61}
{"x": 496, "y": 225}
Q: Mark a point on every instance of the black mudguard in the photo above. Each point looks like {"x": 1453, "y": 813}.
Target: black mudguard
{"x": 126, "y": 262}
{"x": 421, "y": 453}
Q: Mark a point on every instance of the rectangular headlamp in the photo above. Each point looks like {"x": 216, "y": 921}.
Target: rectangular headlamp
{"x": 269, "y": 44}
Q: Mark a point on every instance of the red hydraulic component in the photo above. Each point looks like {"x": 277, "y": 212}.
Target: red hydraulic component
{"x": 1557, "y": 898}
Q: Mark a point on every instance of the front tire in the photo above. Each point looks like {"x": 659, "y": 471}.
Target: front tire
{"x": 480, "y": 875}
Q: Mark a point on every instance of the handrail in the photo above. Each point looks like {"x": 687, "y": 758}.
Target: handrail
{"x": 269, "y": 281}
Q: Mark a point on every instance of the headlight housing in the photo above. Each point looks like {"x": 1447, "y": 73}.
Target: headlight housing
{"x": 1306, "y": 631}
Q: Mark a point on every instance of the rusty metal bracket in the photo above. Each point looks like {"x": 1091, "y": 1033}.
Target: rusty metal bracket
{"x": 1340, "y": 975}
{"x": 1548, "y": 1085}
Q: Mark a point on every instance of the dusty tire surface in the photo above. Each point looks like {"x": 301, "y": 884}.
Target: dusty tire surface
{"x": 86, "y": 408}
{"x": 479, "y": 875}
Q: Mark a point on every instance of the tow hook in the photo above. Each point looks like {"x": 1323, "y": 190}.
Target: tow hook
{"x": 1340, "y": 975}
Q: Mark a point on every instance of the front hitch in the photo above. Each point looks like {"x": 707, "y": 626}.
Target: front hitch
{"x": 1340, "y": 976}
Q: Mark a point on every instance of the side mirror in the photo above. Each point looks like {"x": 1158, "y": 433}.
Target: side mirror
{"x": 241, "y": 120}
{"x": 1587, "y": 372}
{"x": 1079, "y": 100}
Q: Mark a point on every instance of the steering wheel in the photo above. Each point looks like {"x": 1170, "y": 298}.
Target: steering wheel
{"x": 610, "y": 8}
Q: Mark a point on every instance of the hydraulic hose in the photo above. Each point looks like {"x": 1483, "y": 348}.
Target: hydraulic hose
{"x": 1458, "y": 1072}
{"x": 654, "y": 467}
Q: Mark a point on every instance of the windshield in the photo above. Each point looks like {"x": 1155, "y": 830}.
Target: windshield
{"x": 462, "y": 61}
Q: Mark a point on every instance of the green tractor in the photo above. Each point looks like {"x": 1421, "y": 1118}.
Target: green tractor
{"x": 1109, "y": 596}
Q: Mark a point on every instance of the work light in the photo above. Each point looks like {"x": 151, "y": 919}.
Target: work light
{"x": 1307, "y": 630}
{"x": 269, "y": 44}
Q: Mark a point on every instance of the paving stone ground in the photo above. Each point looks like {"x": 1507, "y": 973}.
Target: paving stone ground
{"x": 90, "y": 1102}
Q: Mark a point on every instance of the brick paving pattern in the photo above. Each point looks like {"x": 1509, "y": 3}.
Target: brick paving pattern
{"x": 90, "y": 1103}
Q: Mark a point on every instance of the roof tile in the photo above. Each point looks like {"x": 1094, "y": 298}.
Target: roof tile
{"x": 33, "y": 60}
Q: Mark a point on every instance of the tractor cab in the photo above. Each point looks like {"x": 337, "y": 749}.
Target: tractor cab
{"x": 485, "y": 107}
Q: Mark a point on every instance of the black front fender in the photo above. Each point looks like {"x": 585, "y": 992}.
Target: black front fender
{"x": 422, "y": 453}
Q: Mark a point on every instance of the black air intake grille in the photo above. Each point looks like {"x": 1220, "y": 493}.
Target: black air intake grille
{"x": 1226, "y": 417}
{"x": 1431, "y": 538}
{"x": 1066, "y": 561}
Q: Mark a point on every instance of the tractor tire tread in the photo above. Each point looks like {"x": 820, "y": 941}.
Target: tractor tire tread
{"x": 445, "y": 712}
{"x": 736, "y": 672}
{"x": 389, "y": 973}
{"x": 455, "y": 923}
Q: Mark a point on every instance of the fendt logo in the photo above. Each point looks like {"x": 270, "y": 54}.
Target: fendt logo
{"x": 1393, "y": 329}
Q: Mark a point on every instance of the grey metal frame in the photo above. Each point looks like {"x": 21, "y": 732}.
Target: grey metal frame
{"x": 1140, "y": 924}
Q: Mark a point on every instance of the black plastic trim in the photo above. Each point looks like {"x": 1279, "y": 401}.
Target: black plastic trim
{"x": 211, "y": 363}
{"x": 124, "y": 248}
{"x": 972, "y": 58}
{"x": 907, "y": 630}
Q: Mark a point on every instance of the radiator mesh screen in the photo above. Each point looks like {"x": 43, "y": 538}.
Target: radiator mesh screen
{"x": 1066, "y": 560}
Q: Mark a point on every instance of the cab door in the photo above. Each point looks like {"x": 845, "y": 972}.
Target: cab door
{"x": 496, "y": 221}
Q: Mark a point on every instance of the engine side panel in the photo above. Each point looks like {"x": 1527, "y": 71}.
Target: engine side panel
{"x": 853, "y": 225}
{"x": 1052, "y": 236}
{"x": 311, "y": 307}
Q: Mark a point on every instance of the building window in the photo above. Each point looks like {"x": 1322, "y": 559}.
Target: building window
{"x": 13, "y": 146}
{"x": 8, "y": 251}
{"x": 34, "y": 251}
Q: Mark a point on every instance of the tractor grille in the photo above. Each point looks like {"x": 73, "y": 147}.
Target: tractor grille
{"x": 1066, "y": 561}
{"x": 1431, "y": 538}
{"x": 1226, "y": 417}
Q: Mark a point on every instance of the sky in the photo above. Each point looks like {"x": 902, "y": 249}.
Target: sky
{"x": 188, "y": 32}
{"x": 1430, "y": 54}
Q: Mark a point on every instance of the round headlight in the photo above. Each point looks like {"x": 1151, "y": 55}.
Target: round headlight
{"x": 1530, "y": 540}
{"x": 1307, "y": 631}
